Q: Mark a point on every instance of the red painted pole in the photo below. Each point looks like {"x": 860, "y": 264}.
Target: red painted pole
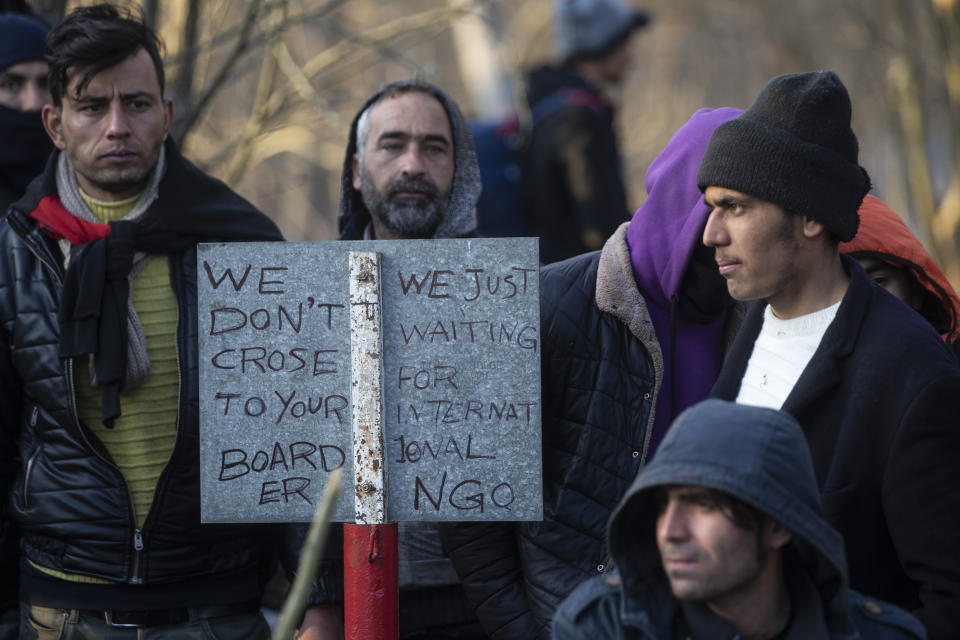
{"x": 371, "y": 599}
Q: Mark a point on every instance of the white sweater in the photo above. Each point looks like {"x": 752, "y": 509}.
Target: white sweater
{"x": 780, "y": 354}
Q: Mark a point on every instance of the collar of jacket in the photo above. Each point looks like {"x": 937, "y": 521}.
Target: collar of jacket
{"x": 654, "y": 612}
{"x": 649, "y": 608}
{"x": 617, "y": 294}
{"x": 838, "y": 342}
{"x": 806, "y": 614}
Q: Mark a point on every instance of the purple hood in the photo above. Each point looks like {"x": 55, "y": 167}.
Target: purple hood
{"x": 661, "y": 238}
{"x": 664, "y": 230}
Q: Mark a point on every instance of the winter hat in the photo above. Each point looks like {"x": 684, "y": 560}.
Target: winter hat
{"x": 589, "y": 28}
{"x": 793, "y": 147}
{"x": 22, "y": 39}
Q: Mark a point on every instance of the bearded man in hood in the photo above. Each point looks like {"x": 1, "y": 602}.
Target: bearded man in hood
{"x": 410, "y": 172}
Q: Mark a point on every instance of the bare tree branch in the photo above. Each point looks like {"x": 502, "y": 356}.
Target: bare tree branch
{"x": 150, "y": 12}
{"x": 180, "y": 88}
{"x": 50, "y": 10}
{"x": 195, "y": 108}
{"x": 258, "y": 119}
{"x": 259, "y": 38}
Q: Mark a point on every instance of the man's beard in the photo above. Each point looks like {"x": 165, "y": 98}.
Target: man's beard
{"x": 404, "y": 217}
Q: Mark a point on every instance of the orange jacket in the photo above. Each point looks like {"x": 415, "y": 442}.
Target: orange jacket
{"x": 883, "y": 235}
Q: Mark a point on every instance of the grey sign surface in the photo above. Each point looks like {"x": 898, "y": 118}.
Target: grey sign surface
{"x": 461, "y": 379}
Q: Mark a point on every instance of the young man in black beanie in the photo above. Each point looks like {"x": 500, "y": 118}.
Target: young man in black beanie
{"x": 875, "y": 389}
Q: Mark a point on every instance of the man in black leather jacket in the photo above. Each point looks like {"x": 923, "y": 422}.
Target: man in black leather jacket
{"x": 99, "y": 365}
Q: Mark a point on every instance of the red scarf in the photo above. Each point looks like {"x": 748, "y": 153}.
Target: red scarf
{"x": 58, "y": 223}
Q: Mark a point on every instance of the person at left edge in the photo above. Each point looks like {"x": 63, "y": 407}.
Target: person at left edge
{"x": 99, "y": 360}
{"x": 24, "y": 148}
{"x": 24, "y": 145}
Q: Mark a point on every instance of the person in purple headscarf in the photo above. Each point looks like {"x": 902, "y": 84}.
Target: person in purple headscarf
{"x": 685, "y": 295}
{"x": 632, "y": 335}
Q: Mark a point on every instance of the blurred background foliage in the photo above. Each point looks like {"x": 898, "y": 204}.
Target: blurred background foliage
{"x": 265, "y": 89}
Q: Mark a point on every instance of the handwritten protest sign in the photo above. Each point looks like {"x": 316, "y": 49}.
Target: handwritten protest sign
{"x": 461, "y": 378}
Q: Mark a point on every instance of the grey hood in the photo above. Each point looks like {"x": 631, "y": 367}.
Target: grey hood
{"x": 757, "y": 455}
{"x": 461, "y": 211}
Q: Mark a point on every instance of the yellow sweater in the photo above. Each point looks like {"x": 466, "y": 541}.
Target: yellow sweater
{"x": 142, "y": 438}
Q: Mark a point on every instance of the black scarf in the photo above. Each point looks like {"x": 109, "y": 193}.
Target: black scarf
{"x": 24, "y": 148}
{"x": 703, "y": 294}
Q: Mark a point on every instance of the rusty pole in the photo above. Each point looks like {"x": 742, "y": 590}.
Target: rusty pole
{"x": 371, "y": 580}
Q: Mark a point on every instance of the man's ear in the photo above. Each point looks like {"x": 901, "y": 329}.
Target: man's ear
{"x": 168, "y": 114}
{"x": 53, "y": 122}
{"x": 812, "y": 228}
{"x": 776, "y": 535}
{"x": 355, "y": 172}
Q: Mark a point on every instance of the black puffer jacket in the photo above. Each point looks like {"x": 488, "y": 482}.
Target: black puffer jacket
{"x": 601, "y": 368}
{"x": 69, "y": 500}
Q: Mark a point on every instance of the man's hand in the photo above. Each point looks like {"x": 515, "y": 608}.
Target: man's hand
{"x": 322, "y": 622}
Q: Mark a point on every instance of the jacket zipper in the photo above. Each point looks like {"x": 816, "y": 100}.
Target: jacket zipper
{"x": 138, "y": 538}
{"x": 135, "y": 578}
{"x": 24, "y": 233}
{"x": 137, "y": 553}
{"x": 138, "y": 533}
{"x": 28, "y": 470}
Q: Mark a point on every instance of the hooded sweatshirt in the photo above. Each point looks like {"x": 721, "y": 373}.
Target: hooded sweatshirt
{"x": 759, "y": 456}
{"x": 421, "y": 558}
{"x": 686, "y": 297}
{"x": 884, "y": 236}
{"x": 460, "y": 218}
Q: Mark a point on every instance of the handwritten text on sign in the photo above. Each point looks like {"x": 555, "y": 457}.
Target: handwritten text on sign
{"x": 461, "y": 366}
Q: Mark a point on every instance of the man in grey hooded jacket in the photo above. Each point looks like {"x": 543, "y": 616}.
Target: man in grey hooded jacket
{"x": 410, "y": 172}
{"x": 722, "y": 536}
{"x": 410, "y": 169}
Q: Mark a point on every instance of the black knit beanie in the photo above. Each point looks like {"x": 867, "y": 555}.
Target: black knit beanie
{"x": 22, "y": 39}
{"x": 793, "y": 147}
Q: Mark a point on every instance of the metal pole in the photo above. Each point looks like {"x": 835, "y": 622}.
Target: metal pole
{"x": 371, "y": 580}
{"x": 370, "y": 583}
